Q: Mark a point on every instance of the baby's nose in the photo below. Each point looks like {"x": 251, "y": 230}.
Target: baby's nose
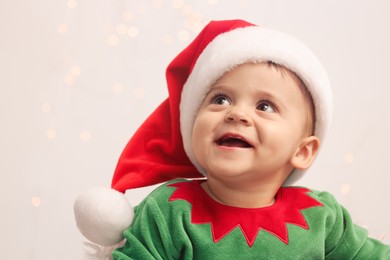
{"x": 235, "y": 115}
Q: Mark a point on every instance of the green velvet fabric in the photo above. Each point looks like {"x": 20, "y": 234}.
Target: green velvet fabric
{"x": 162, "y": 229}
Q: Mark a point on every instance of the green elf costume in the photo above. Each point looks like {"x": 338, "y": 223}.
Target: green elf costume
{"x": 179, "y": 220}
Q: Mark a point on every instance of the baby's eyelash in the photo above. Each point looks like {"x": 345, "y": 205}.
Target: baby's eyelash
{"x": 217, "y": 95}
{"x": 270, "y": 102}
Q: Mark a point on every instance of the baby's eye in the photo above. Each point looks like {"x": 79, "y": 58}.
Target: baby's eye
{"x": 266, "y": 106}
{"x": 221, "y": 100}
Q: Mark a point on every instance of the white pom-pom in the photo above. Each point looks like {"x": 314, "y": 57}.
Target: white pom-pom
{"x": 102, "y": 214}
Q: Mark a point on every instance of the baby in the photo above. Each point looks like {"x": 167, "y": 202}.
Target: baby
{"x": 248, "y": 108}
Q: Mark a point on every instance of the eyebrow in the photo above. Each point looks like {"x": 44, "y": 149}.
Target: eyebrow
{"x": 213, "y": 89}
{"x": 230, "y": 88}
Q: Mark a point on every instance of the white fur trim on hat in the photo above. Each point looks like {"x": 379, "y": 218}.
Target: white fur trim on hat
{"x": 254, "y": 44}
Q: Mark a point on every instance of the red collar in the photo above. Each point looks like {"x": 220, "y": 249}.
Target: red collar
{"x": 286, "y": 210}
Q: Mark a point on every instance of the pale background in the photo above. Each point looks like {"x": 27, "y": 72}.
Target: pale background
{"x": 78, "y": 77}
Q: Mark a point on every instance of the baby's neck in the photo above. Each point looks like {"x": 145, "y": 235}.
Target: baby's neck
{"x": 231, "y": 195}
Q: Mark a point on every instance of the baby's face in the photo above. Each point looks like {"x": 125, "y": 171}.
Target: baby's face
{"x": 250, "y": 125}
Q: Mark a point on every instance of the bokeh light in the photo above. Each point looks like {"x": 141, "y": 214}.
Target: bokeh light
{"x": 75, "y": 70}
{"x": 45, "y": 107}
{"x": 187, "y": 9}
{"x": 62, "y": 28}
{"x": 36, "y": 201}
{"x": 113, "y": 40}
{"x": 345, "y": 189}
{"x": 121, "y": 29}
{"x": 184, "y": 36}
{"x": 69, "y": 79}
{"x": 51, "y": 134}
{"x": 177, "y": 3}
{"x": 348, "y": 158}
{"x": 72, "y": 4}
{"x": 117, "y": 88}
{"x": 132, "y": 31}
{"x": 127, "y": 15}
{"x": 139, "y": 93}
{"x": 85, "y": 136}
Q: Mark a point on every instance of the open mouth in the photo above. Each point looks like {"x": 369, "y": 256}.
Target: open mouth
{"x": 233, "y": 141}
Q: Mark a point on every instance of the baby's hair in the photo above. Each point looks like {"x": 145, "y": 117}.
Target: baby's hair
{"x": 305, "y": 92}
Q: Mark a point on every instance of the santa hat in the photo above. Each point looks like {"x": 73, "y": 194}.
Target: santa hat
{"x": 161, "y": 148}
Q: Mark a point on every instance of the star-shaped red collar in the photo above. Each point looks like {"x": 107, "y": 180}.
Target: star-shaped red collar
{"x": 274, "y": 219}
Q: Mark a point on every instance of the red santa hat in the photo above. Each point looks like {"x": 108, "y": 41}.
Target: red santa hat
{"x": 161, "y": 150}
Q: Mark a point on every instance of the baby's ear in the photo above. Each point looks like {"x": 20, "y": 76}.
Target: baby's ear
{"x": 306, "y": 152}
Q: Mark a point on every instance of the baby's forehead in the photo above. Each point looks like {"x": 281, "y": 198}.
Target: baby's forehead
{"x": 270, "y": 69}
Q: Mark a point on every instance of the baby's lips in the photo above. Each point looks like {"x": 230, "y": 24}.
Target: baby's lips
{"x": 233, "y": 140}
